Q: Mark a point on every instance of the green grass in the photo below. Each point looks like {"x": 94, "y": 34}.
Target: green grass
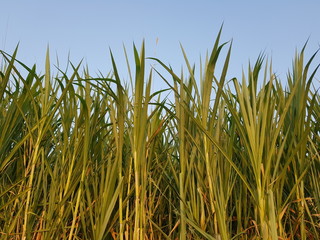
{"x": 85, "y": 157}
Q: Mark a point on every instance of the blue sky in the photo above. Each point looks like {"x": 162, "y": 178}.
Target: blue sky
{"x": 87, "y": 29}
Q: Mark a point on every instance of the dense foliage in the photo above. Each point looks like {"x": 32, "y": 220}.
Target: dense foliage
{"x": 89, "y": 158}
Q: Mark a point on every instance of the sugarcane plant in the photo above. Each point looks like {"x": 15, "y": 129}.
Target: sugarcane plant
{"x": 209, "y": 157}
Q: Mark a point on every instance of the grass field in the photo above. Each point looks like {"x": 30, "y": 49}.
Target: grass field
{"x": 85, "y": 157}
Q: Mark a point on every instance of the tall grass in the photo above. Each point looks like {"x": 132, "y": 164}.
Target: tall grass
{"x": 83, "y": 158}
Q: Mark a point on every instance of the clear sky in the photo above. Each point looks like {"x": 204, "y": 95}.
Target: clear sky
{"x": 87, "y": 29}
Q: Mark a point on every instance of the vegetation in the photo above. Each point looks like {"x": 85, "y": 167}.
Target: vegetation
{"x": 82, "y": 157}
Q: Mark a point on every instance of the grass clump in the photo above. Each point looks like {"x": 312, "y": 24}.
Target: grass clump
{"x": 81, "y": 158}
